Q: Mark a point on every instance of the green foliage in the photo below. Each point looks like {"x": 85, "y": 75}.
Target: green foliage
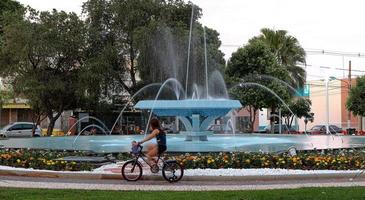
{"x": 245, "y": 66}
{"x": 300, "y": 107}
{"x": 145, "y": 37}
{"x": 5, "y": 95}
{"x": 42, "y": 56}
{"x": 288, "y": 53}
{"x": 356, "y": 100}
{"x": 8, "y": 7}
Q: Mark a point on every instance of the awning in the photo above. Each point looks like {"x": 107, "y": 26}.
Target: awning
{"x": 16, "y": 106}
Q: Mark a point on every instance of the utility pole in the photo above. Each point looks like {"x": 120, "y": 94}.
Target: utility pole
{"x": 348, "y": 93}
{"x": 327, "y": 107}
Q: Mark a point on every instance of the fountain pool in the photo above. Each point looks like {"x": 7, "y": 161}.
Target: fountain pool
{"x": 177, "y": 143}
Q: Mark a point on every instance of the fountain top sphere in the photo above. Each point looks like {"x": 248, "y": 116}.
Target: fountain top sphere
{"x": 189, "y": 107}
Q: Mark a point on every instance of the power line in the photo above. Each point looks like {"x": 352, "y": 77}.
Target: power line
{"x": 317, "y": 51}
{"x": 333, "y": 68}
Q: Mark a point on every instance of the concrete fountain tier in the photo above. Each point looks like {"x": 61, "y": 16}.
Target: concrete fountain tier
{"x": 196, "y": 115}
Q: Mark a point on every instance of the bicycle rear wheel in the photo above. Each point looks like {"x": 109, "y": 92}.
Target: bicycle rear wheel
{"x": 172, "y": 171}
{"x": 132, "y": 170}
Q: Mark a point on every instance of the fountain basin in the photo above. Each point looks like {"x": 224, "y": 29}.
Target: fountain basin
{"x": 205, "y": 107}
{"x": 196, "y": 115}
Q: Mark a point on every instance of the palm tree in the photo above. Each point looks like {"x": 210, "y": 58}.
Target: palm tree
{"x": 288, "y": 52}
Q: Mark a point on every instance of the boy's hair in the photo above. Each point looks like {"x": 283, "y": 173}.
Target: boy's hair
{"x": 155, "y": 124}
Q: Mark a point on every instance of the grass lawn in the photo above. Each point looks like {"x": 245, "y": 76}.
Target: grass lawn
{"x": 303, "y": 193}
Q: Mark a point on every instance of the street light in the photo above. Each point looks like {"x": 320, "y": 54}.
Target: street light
{"x": 326, "y": 81}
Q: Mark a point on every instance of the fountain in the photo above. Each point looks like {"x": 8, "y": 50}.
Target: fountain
{"x": 196, "y": 115}
{"x": 197, "y": 105}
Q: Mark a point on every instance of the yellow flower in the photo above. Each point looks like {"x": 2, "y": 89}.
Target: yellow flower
{"x": 18, "y": 161}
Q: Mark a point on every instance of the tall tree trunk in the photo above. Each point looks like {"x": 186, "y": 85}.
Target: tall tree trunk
{"x": 252, "y": 112}
{"x": 132, "y": 58}
{"x": 51, "y": 124}
{"x": 272, "y": 121}
{"x": 52, "y": 121}
{"x": 291, "y": 121}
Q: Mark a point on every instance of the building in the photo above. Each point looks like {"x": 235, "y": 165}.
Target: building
{"x": 14, "y": 112}
{"x": 242, "y": 120}
{"x": 338, "y": 114}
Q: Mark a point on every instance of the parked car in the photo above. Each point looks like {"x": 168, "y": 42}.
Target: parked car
{"x": 20, "y": 129}
{"x": 321, "y": 129}
{"x": 284, "y": 129}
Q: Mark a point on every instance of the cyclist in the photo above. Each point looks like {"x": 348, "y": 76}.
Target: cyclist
{"x": 155, "y": 149}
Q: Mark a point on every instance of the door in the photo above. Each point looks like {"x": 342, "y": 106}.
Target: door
{"x": 27, "y": 130}
{"x": 15, "y": 131}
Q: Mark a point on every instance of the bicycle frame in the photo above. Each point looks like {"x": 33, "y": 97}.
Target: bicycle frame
{"x": 143, "y": 156}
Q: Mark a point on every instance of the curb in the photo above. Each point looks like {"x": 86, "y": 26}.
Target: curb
{"x": 158, "y": 177}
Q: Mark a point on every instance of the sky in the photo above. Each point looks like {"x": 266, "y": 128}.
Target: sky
{"x": 329, "y": 25}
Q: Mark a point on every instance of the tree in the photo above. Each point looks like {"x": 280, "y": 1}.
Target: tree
{"x": 249, "y": 62}
{"x": 112, "y": 27}
{"x": 42, "y": 56}
{"x": 356, "y": 99}
{"x": 288, "y": 53}
{"x": 145, "y": 37}
{"x": 6, "y": 7}
{"x": 300, "y": 107}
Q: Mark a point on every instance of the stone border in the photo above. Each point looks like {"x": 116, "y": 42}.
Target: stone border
{"x": 97, "y": 176}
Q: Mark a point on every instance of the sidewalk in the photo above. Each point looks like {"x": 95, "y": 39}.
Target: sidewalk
{"x": 113, "y": 171}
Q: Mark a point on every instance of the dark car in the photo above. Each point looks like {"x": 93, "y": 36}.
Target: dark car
{"x": 321, "y": 129}
{"x": 284, "y": 129}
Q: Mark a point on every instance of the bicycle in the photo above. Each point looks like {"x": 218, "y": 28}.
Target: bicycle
{"x": 132, "y": 170}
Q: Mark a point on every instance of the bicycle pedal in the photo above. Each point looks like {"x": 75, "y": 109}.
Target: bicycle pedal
{"x": 155, "y": 169}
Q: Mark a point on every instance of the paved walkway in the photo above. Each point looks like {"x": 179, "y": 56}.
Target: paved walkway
{"x": 56, "y": 183}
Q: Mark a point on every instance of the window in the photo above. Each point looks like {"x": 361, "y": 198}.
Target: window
{"x": 27, "y": 126}
{"x": 16, "y": 127}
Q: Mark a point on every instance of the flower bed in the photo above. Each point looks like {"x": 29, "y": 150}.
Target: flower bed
{"x": 42, "y": 159}
{"x": 306, "y": 161}
{"x": 335, "y": 160}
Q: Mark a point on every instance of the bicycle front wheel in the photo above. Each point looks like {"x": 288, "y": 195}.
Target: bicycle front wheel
{"x": 132, "y": 170}
{"x": 172, "y": 172}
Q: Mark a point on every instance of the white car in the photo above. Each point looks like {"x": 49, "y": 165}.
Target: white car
{"x": 20, "y": 129}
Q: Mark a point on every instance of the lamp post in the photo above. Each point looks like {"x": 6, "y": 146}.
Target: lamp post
{"x": 326, "y": 81}
{"x": 327, "y": 107}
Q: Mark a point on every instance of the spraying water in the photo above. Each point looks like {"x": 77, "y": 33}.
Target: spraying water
{"x": 170, "y": 80}
{"x": 84, "y": 129}
{"x": 189, "y": 46}
{"x": 206, "y": 63}
{"x": 88, "y": 117}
